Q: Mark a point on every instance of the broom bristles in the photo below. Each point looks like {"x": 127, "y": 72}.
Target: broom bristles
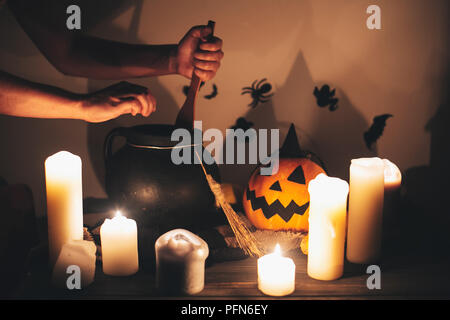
{"x": 245, "y": 239}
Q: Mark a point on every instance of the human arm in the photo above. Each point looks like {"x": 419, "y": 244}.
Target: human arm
{"x": 23, "y": 98}
{"x": 78, "y": 54}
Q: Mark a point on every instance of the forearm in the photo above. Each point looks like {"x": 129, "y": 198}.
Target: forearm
{"x": 103, "y": 59}
{"x": 22, "y": 98}
{"x": 77, "y": 54}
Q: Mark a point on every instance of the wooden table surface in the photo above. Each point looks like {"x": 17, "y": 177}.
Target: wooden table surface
{"x": 415, "y": 265}
{"x": 402, "y": 277}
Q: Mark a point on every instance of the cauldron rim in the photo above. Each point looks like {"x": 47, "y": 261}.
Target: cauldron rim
{"x": 157, "y": 135}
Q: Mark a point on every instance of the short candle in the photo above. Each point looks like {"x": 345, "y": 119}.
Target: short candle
{"x": 180, "y": 262}
{"x": 276, "y": 274}
{"x": 118, "y": 238}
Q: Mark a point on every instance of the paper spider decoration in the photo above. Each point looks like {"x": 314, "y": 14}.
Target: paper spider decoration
{"x": 259, "y": 92}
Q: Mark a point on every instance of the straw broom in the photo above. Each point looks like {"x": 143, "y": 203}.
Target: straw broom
{"x": 245, "y": 239}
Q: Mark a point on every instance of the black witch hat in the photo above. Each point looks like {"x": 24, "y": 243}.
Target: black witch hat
{"x": 291, "y": 146}
{"x": 291, "y": 149}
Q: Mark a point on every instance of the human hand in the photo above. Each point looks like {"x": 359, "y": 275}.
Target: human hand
{"x": 198, "y": 53}
{"x": 116, "y": 100}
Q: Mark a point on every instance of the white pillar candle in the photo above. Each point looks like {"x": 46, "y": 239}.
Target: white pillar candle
{"x": 327, "y": 227}
{"x": 276, "y": 274}
{"x": 119, "y": 243}
{"x": 64, "y": 201}
{"x": 79, "y": 254}
{"x": 180, "y": 262}
{"x": 365, "y": 213}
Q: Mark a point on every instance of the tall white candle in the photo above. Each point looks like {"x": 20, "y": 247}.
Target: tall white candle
{"x": 276, "y": 274}
{"x": 365, "y": 215}
{"x": 180, "y": 262}
{"x": 64, "y": 201}
{"x": 119, "y": 242}
{"x": 327, "y": 226}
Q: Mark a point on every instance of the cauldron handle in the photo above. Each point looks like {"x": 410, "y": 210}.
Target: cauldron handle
{"x": 107, "y": 147}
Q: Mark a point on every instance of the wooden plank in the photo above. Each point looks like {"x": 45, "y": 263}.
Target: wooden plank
{"x": 409, "y": 270}
{"x": 238, "y": 279}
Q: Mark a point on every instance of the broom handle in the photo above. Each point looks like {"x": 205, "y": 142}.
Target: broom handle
{"x": 186, "y": 116}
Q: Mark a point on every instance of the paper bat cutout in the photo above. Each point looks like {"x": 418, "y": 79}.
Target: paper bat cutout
{"x": 376, "y": 129}
{"x": 325, "y": 97}
{"x": 213, "y": 94}
{"x": 186, "y": 88}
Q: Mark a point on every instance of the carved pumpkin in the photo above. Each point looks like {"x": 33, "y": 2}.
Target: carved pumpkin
{"x": 281, "y": 201}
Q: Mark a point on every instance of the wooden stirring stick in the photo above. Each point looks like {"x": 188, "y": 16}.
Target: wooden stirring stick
{"x": 185, "y": 118}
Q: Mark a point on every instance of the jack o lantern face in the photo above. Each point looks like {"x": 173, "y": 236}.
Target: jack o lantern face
{"x": 281, "y": 201}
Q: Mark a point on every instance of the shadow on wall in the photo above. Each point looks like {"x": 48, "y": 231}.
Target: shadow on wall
{"x": 263, "y": 117}
{"x": 340, "y": 136}
{"x": 167, "y": 108}
{"x": 94, "y": 12}
{"x": 25, "y": 138}
{"x": 336, "y": 137}
{"x": 326, "y": 133}
{"x": 426, "y": 188}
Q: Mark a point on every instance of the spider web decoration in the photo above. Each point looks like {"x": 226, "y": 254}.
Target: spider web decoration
{"x": 259, "y": 91}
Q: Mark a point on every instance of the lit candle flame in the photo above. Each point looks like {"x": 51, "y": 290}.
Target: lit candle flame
{"x": 118, "y": 213}
{"x": 277, "y": 250}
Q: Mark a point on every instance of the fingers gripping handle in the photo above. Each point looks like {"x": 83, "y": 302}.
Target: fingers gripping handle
{"x": 185, "y": 118}
{"x": 195, "y": 80}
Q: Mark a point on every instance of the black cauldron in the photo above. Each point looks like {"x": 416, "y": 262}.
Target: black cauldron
{"x": 142, "y": 180}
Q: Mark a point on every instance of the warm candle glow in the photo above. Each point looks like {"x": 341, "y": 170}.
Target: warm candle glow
{"x": 277, "y": 250}
{"x": 327, "y": 227}
{"x": 276, "y": 274}
{"x": 64, "y": 201}
{"x": 119, "y": 246}
{"x": 365, "y": 210}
